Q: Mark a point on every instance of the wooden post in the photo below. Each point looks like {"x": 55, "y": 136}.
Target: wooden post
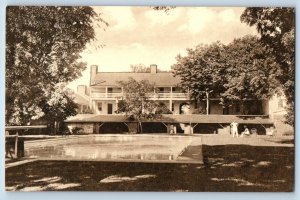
{"x": 16, "y": 145}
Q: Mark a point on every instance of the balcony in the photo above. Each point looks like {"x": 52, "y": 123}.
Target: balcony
{"x": 106, "y": 95}
{"x": 155, "y": 96}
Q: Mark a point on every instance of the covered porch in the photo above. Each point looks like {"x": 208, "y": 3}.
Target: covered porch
{"x": 217, "y": 124}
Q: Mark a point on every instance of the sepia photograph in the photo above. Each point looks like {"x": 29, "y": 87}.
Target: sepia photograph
{"x": 149, "y": 98}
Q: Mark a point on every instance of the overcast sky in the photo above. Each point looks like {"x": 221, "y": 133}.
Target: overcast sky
{"x": 141, "y": 35}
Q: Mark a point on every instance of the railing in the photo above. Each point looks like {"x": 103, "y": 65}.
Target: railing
{"x": 16, "y": 136}
{"x": 156, "y": 95}
{"x": 106, "y": 95}
{"x": 180, "y": 95}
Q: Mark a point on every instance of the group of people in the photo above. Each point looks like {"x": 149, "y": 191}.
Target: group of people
{"x": 234, "y": 130}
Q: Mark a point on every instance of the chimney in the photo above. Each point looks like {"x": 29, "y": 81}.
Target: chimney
{"x": 81, "y": 89}
{"x": 153, "y": 69}
{"x": 94, "y": 71}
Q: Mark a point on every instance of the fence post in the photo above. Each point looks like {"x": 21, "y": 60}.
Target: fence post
{"x": 16, "y": 145}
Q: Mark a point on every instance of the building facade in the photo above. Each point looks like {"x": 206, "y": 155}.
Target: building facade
{"x": 105, "y": 93}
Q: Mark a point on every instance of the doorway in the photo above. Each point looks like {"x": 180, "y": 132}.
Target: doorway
{"x": 109, "y": 108}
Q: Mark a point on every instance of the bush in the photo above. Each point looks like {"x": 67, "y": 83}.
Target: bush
{"x": 77, "y": 131}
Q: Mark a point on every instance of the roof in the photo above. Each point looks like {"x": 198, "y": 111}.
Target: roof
{"x": 159, "y": 78}
{"x": 203, "y": 119}
{"x": 80, "y": 99}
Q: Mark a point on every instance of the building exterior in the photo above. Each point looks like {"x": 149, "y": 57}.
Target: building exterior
{"x": 105, "y": 93}
{"x": 81, "y": 98}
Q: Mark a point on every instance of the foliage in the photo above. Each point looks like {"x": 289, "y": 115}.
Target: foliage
{"x": 277, "y": 29}
{"x": 143, "y": 68}
{"x": 43, "y": 46}
{"x": 139, "y": 68}
{"x": 250, "y": 71}
{"x": 77, "y": 130}
{"x": 241, "y": 70}
{"x": 202, "y": 70}
{"x": 57, "y": 104}
{"x": 166, "y": 9}
{"x": 136, "y": 103}
{"x": 162, "y": 109}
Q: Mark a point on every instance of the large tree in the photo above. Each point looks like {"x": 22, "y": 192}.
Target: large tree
{"x": 277, "y": 29}
{"x": 43, "y": 46}
{"x": 250, "y": 72}
{"x": 202, "y": 71}
{"x": 240, "y": 71}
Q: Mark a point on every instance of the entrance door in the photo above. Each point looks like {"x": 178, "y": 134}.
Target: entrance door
{"x": 109, "y": 108}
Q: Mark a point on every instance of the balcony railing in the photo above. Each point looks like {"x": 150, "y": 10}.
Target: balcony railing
{"x": 105, "y": 95}
{"x": 155, "y": 96}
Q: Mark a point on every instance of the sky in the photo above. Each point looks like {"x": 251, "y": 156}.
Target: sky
{"x": 141, "y": 35}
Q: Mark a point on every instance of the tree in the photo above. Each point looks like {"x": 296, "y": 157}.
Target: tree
{"x": 57, "y": 105}
{"x": 143, "y": 68}
{"x": 277, "y": 29}
{"x": 250, "y": 72}
{"x": 43, "y": 46}
{"x": 136, "y": 103}
{"x": 202, "y": 71}
{"x": 139, "y": 68}
{"x": 240, "y": 71}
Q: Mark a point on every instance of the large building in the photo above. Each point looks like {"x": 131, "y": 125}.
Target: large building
{"x": 105, "y": 92}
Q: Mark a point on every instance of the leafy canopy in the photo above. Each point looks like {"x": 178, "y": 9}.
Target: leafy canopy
{"x": 136, "y": 102}
{"x": 243, "y": 69}
{"x": 276, "y": 27}
{"x": 43, "y": 46}
{"x": 202, "y": 70}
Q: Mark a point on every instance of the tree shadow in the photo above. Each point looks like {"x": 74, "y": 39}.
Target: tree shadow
{"x": 225, "y": 168}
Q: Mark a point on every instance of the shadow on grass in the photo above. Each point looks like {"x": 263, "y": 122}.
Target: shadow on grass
{"x": 225, "y": 168}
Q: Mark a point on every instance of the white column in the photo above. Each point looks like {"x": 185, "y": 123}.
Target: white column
{"x": 117, "y": 104}
{"x": 106, "y": 92}
{"x": 171, "y": 100}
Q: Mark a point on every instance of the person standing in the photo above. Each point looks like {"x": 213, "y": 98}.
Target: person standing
{"x": 234, "y": 129}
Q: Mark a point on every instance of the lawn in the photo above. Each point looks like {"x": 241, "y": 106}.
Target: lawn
{"x": 230, "y": 167}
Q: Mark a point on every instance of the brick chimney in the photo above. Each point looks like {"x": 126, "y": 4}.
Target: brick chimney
{"x": 94, "y": 71}
{"x": 81, "y": 89}
{"x": 153, "y": 69}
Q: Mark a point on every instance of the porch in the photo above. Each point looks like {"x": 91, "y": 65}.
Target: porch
{"x": 218, "y": 124}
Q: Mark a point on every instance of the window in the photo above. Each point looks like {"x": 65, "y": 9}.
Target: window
{"x": 109, "y": 90}
{"x": 161, "y": 90}
{"x": 100, "y": 106}
{"x": 173, "y": 107}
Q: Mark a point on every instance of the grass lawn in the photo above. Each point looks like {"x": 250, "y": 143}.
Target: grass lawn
{"x": 230, "y": 167}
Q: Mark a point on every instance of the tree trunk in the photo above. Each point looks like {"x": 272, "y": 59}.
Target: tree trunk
{"x": 55, "y": 127}
{"x": 141, "y": 128}
{"x": 207, "y": 102}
